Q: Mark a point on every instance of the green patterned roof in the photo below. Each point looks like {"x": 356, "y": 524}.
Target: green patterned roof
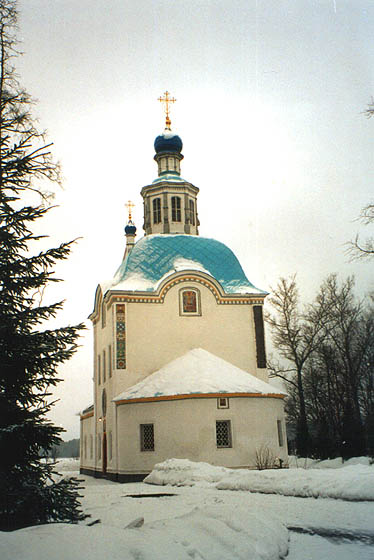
{"x": 154, "y": 257}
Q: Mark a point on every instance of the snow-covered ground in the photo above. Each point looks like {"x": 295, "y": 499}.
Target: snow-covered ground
{"x": 202, "y": 518}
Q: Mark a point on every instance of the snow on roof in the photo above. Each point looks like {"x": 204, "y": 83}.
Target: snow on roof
{"x": 155, "y": 257}
{"x": 197, "y": 372}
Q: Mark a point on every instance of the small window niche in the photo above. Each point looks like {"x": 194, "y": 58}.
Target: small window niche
{"x": 189, "y": 302}
{"x": 223, "y": 402}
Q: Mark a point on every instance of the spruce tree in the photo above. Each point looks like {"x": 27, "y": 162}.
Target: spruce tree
{"x": 30, "y": 353}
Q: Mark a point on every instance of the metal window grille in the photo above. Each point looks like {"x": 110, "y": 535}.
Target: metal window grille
{"x": 176, "y": 209}
{"x": 147, "y": 439}
{"x": 223, "y": 433}
{"x": 104, "y": 367}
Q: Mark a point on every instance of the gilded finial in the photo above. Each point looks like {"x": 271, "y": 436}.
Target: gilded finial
{"x": 129, "y": 205}
{"x": 167, "y": 100}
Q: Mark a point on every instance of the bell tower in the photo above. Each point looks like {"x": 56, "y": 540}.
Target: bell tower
{"x": 169, "y": 201}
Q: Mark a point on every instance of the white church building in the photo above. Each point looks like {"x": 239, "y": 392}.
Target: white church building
{"x": 179, "y": 349}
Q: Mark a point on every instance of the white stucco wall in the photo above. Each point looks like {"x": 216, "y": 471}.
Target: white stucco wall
{"x": 156, "y": 333}
{"x": 186, "y": 429}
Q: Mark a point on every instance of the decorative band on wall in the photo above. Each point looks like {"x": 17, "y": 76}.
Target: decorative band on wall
{"x": 121, "y": 336}
{"x": 225, "y": 299}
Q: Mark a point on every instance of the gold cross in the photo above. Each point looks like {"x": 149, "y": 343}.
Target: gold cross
{"x": 167, "y": 101}
{"x": 129, "y": 205}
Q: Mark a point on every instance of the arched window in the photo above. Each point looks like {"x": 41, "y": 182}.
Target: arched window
{"x": 192, "y": 212}
{"x": 156, "y": 210}
{"x": 176, "y": 209}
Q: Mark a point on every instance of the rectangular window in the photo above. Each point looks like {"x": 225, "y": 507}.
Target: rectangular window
{"x": 189, "y": 302}
{"x": 192, "y": 212}
{"x": 104, "y": 366}
{"x": 110, "y": 446}
{"x": 280, "y": 433}
{"x": 176, "y": 209}
{"x": 222, "y": 402}
{"x": 110, "y": 361}
{"x": 98, "y": 370}
{"x": 99, "y": 446}
{"x": 260, "y": 338}
{"x": 223, "y": 433}
{"x": 147, "y": 439}
{"x": 156, "y": 210}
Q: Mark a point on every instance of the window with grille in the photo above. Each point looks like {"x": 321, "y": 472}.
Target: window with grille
{"x": 156, "y": 210}
{"x": 176, "y": 209}
{"x": 223, "y": 433}
{"x": 98, "y": 370}
{"x": 192, "y": 212}
{"x": 147, "y": 439}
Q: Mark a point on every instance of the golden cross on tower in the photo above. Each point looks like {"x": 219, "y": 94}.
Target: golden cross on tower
{"x": 129, "y": 205}
{"x": 167, "y": 100}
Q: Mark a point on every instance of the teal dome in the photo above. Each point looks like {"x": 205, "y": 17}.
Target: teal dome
{"x": 155, "y": 257}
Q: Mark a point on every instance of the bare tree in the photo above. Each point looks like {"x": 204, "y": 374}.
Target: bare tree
{"x": 296, "y": 335}
{"x": 363, "y": 249}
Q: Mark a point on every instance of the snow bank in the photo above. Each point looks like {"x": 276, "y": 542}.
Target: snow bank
{"x": 182, "y": 472}
{"x": 215, "y": 533}
{"x": 351, "y": 483}
{"x": 355, "y": 482}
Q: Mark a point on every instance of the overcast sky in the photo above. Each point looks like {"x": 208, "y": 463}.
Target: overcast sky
{"x": 270, "y": 100}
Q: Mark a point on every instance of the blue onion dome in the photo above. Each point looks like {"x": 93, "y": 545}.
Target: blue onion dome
{"x": 168, "y": 141}
{"x": 130, "y": 228}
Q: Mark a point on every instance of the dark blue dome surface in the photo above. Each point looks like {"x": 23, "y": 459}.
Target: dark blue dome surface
{"x": 168, "y": 142}
{"x": 130, "y": 228}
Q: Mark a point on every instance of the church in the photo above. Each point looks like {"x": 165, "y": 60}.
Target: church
{"x": 179, "y": 348}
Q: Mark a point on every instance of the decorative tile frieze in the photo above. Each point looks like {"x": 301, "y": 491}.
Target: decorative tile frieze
{"x": 121, "y": 336}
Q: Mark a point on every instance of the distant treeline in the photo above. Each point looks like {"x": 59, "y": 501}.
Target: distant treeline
{"x": 66, "y": 449}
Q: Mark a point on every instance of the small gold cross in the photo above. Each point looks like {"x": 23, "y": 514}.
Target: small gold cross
{"x": 167, "y": 101}
{"x": 129, "y": 205}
